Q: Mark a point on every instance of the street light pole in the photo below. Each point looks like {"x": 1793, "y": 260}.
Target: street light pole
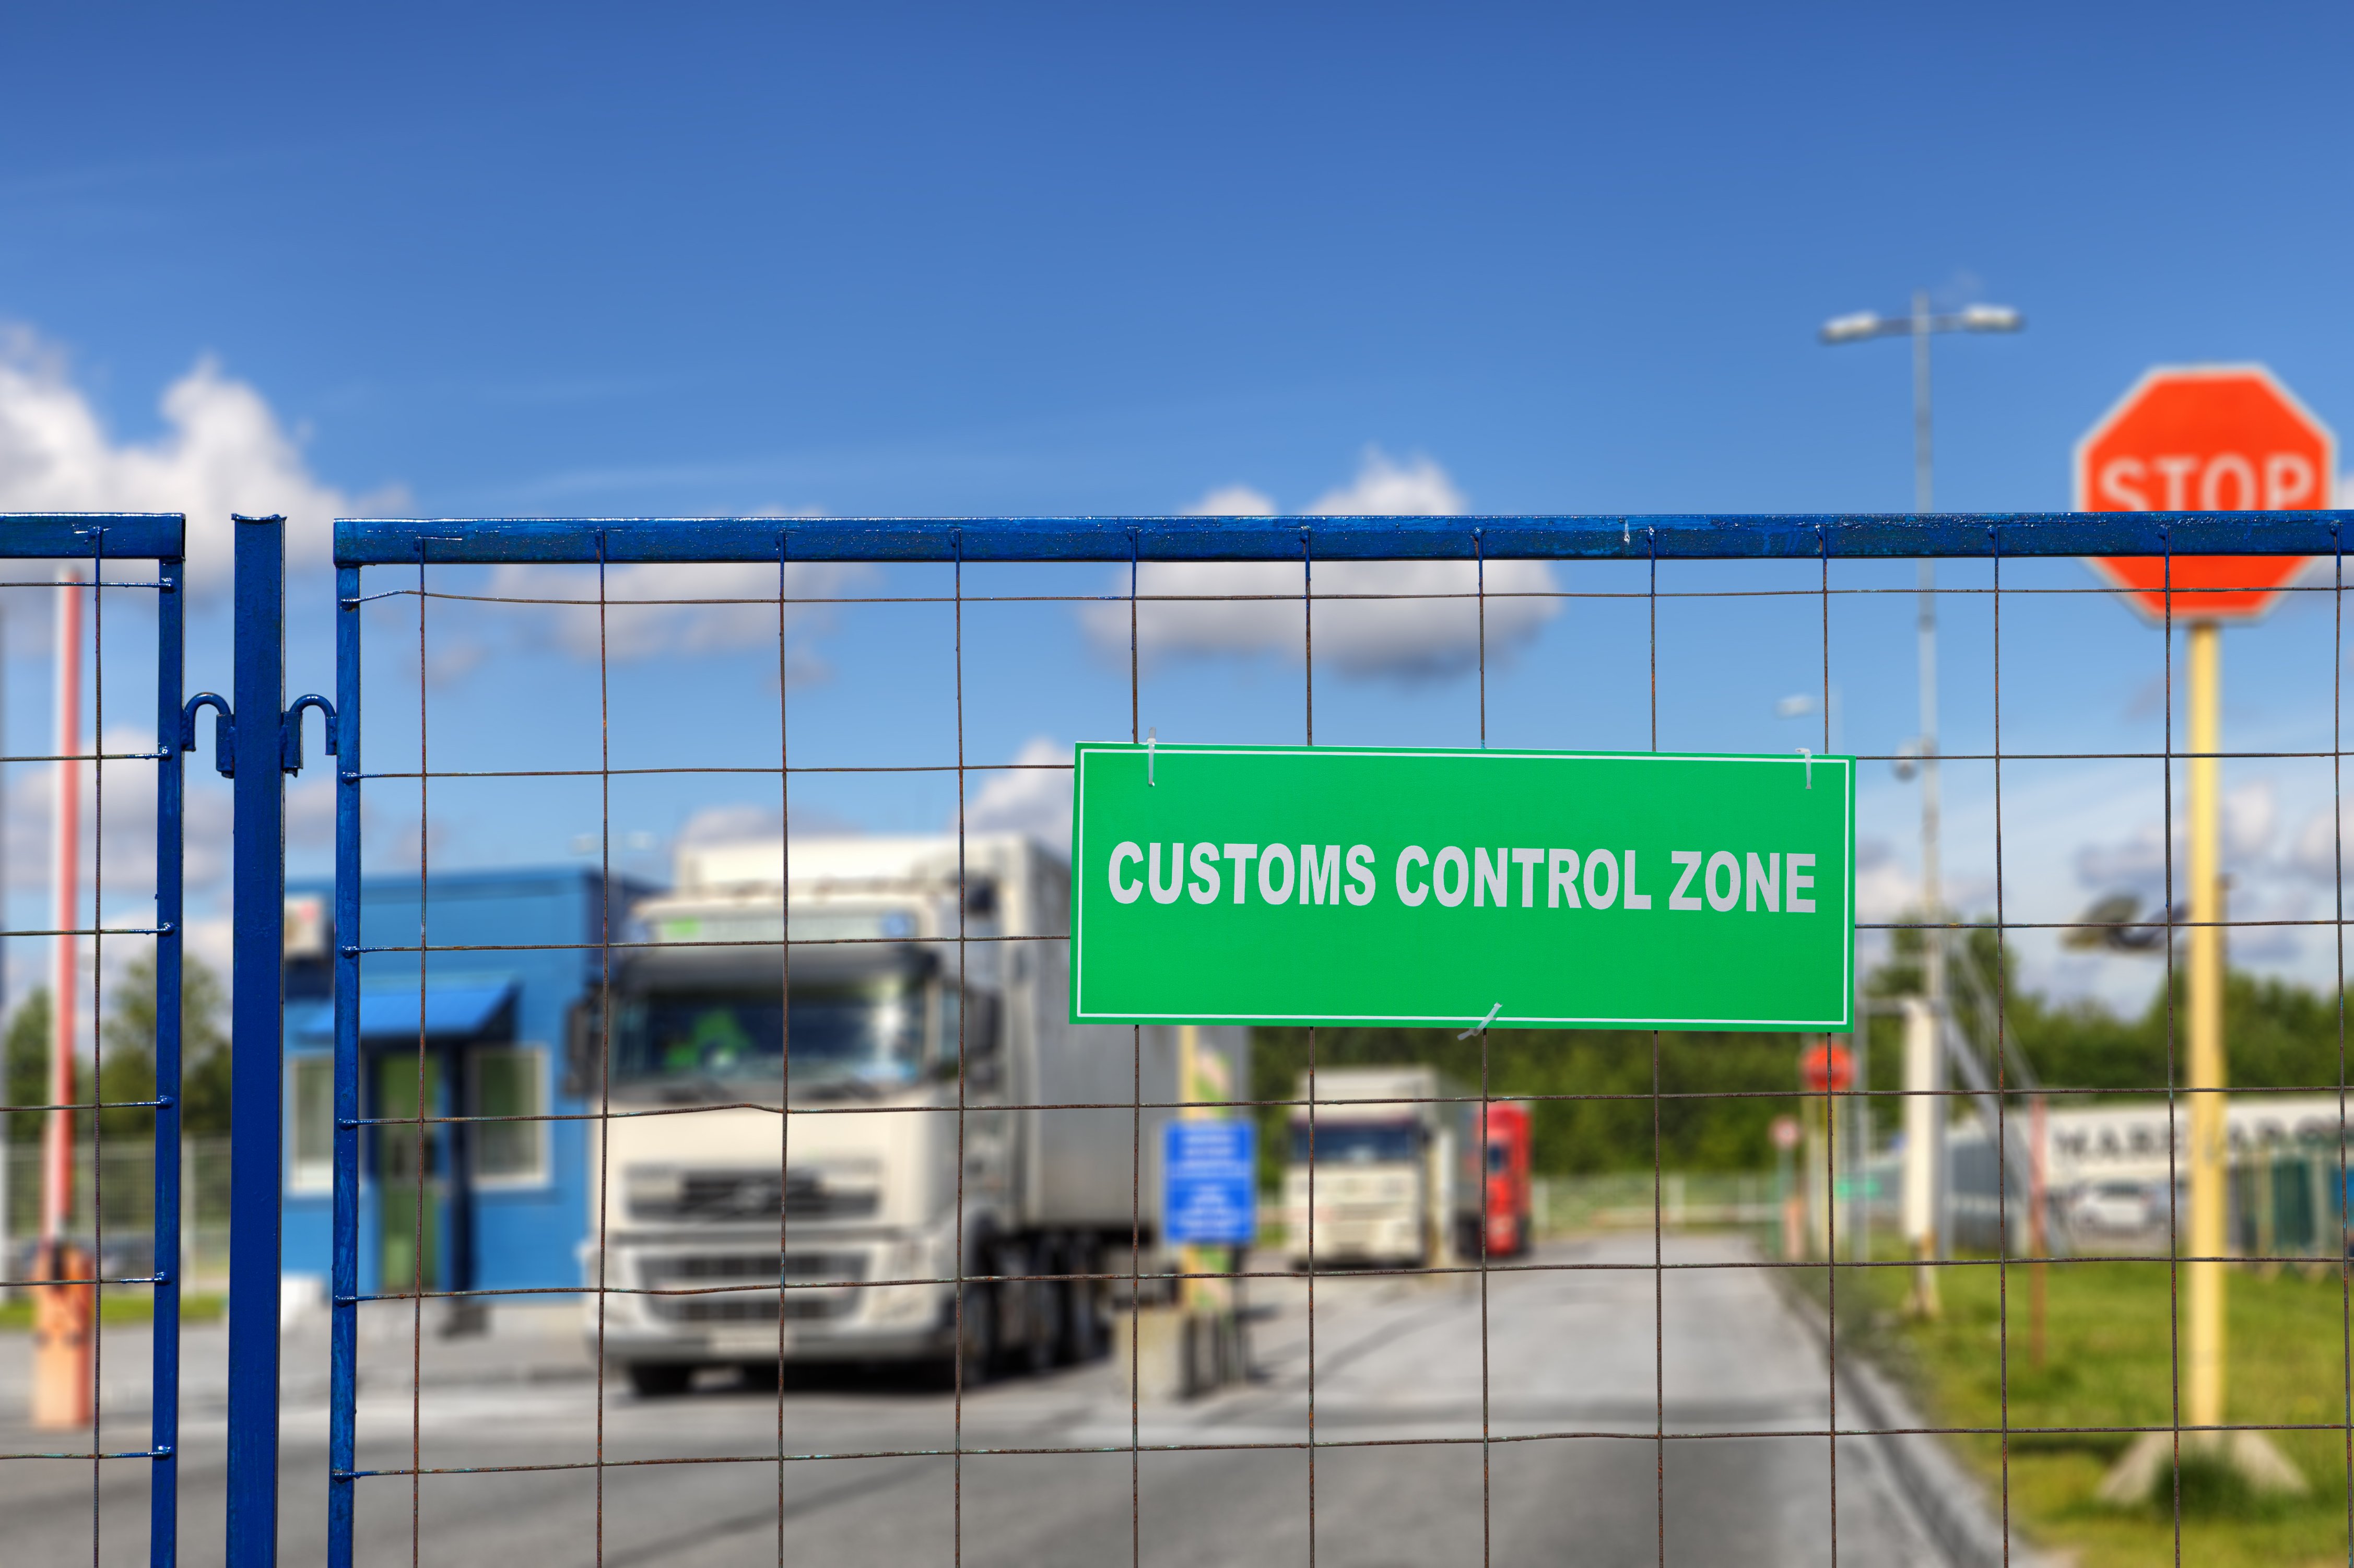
{"x": 1921, "y": 324}
{"x": 1933, "y": 951}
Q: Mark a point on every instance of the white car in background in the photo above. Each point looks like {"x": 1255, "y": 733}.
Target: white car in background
{"x": 2115, "y": 1207}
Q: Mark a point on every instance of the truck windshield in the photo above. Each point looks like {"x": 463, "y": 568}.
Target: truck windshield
{"x": 870, "y": 1030}
{"x": 1358, "y": 1142}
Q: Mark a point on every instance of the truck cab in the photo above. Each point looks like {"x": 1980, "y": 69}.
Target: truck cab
{"x": 909, "y": 1208}
{"x": 1371, "y": 1167}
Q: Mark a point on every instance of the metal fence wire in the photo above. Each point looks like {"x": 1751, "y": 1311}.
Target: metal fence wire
{"x": 1611, "y": 1386}
{"x": 111, "y": 588}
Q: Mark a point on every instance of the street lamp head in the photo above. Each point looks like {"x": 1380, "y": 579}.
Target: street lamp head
{"x": 1852, "y": 328}
{"x": 1991, "y": 318}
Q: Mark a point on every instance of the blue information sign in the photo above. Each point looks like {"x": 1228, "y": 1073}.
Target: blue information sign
{"x": 1209, "y": 1179}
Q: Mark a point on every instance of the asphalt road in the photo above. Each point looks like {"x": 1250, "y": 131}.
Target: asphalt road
{"x": 1397, "y": 1396}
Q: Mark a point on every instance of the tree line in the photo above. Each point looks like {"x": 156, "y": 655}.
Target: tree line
{"x": 1718, "y": 1094}
{"x": 126, "y": 1070}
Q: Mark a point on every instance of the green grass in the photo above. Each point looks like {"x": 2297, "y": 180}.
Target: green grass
{"x": 2107, "y": 1363}
{"x": 132, "y": 1306}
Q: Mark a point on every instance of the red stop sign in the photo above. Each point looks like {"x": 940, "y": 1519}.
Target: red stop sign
{"x": 1827, "y": 1067}
{"x": 2223, "y": 438}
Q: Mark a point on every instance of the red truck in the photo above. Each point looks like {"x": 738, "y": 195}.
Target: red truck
{"x": 1509, "y": 1225}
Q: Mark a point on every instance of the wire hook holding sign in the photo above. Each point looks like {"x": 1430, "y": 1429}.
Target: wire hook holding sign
{"x": 1808, "y": 758}
{"x": 1482, "y": 1027}
{"x": 1151, "y": 739}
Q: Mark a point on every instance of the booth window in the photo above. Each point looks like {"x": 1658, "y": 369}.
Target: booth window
{"x": 313, "y": 1165}
{"x": 506, "y": 1081}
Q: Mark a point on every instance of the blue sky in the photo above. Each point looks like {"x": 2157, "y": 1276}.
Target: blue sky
{"x": 928, "y": 261}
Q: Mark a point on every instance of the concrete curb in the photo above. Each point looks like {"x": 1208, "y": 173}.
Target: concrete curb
{"x": 1952, "y": 1508}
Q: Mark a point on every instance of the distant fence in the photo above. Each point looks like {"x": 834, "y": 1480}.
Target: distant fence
{"x": 1624, "y": 1200}
{"x": 123, "y": 1181}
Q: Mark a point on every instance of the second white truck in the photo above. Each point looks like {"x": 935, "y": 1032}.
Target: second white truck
{"x": 1379, "y": 1149}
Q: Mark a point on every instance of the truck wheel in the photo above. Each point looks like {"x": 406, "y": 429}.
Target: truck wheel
{"x": 1026, "y": 1329}
{"x": 1049, "y": 1304}
{"x": 977, "y": 1349}
{"x": 1083, "y": 1329}
{"x": 659, "y": 1380}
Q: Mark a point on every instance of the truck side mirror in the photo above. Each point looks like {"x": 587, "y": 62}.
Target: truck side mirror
{"x": 581, "y": 1031}
{"x": 982, "y": 1013}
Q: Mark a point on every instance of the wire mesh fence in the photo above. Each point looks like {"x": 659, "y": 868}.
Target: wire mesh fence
{"x": 96, "y": 1089}
{"x": 798, "y": 1112}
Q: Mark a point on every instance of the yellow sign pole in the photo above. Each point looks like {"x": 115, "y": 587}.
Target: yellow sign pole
{"x": 2131, "y": 1479}
{"x": 2206, "y": 1078}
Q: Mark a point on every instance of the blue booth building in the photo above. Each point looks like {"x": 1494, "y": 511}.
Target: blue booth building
{"x": 500, "y": 1031}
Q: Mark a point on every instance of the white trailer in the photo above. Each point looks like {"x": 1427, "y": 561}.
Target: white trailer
{"x": 861, "y": 1209}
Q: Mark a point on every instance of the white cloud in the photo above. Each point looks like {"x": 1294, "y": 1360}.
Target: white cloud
{"x": 2139, "y": 861}
{"x": 1033, "y": 797}
{"x": 129, "y": 822}
{"x": 1885, "y": 887}
{"x": 117, "y": 877}
{"x": 2315, "y": 854}
{"x": 731, "y": 824}
{"x": 2136, "y": 860}
{"x": 1888, "y": 884}
{"x": 1371, "y": 618}
{"x": 744, "y": 822}
{"x": 1234, "y": 501}
{"x": 1386, "y": 488}
{"x": 2251, "y": 813}
{"x": 224, "y": 450}
{"x": 646, "y": 631}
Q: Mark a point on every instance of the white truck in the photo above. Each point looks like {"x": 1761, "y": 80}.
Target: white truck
{"x": 1384, "y": 1149}
{"x": 854, "y": 1208}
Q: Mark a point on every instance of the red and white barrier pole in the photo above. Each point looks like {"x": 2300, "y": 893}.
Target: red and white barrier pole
{"x": 63, "y": 1313}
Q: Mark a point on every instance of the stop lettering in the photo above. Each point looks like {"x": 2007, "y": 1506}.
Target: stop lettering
{"x": 2206, "y": 439}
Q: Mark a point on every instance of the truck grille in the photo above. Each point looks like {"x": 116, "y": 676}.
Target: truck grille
{"x": 757, "y": 1273}
{"x": 726, "y": 1196}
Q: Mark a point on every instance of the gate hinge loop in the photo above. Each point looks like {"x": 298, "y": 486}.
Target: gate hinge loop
{"x": 224, "y": 730}
{"x": 290, "y": 730}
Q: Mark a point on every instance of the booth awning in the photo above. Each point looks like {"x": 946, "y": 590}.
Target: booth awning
{"x": 449, "y": 1008}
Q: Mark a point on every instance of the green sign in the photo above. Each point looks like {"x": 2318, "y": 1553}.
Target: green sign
{"x": 1550, "y": 889}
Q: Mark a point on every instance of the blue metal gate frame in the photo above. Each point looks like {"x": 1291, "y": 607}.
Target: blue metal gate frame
{"x": 101, "y": 538}
{"x": 256, "y": 753}
{"x": 1298, "y": 540}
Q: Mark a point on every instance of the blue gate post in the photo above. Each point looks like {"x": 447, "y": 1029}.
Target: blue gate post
{"x": 343, "y": 1283}
{"x": 257, "y": 1120}
{"x": 164, "y": 1492}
